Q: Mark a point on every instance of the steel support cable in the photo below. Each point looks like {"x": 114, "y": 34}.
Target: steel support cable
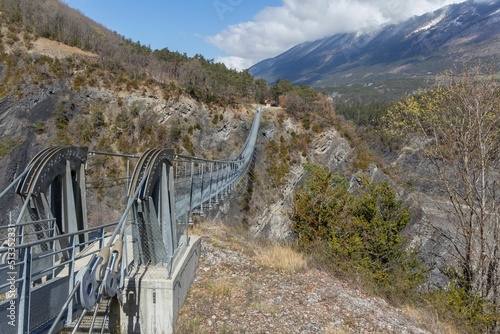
{"x": 227, "y": 178}
{"x": 79, "y": 321}
{"x": 78, "y": 283}
{"x": 106, "y": 315}
{"x": 118, "y": 228}
{"x": 13, "y": 183}
{"x": 65, "y": 306}
{"x": 94, "y": 316}
{"x": 96, "y": 308}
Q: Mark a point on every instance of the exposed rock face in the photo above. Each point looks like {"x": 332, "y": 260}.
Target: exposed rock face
{"x": 219, "y": 139}
{"x": 328, "y": 149}
{"x": 273, "y": 222}
{"x": 18, "y": 118}
{"x": 332, "y": 150}
{"x": 185, "y": 106}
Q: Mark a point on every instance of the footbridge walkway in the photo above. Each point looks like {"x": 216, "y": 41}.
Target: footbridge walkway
{"x": 56, "y": 271}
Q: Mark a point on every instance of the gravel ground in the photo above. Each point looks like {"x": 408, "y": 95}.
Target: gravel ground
{"x": 233, "y": 293}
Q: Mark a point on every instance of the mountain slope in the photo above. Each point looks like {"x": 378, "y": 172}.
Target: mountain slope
{"x": 245, "y": 287}
{"x": 129, "y": 100}
{"x": 421, "y": 46}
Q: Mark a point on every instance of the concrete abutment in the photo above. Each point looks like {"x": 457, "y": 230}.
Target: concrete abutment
{"x": 150, "y": 300}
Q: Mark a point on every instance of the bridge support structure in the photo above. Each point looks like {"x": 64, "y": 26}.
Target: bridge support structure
{"x": 150, "y": 301}
{"x": 147, "y": 263}
{"x": 164, "y": 258}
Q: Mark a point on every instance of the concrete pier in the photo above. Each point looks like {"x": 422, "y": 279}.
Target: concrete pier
{"x": 151, "y": 301}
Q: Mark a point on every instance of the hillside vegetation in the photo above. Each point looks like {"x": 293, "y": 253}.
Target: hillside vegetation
{"x": 121, "y": 65}
{"x": 451, "y": 131}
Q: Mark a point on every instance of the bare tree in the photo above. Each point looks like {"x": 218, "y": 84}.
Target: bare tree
{"x": 459, "y": 122}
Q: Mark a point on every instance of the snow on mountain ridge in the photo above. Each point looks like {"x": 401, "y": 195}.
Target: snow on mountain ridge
{"x": 495, "y": 13}
{"x": 429, "y": 43}
{"x": 429, "y": 24}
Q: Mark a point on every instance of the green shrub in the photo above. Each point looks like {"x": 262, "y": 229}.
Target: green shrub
{"x": 277, "y": 154}
{"x": 188, "y": 145}
{"x": 306, "y": 123}
{"x": 39, "y": 127}
{"x": 175, "y": 132}
{"x": 57, "y": 68}
{"x": 318, "y": 204}
{"x": 360, "y": 231}
{"x": 7, "y": 144}
{"x": 378, "y": 217}
{"x": 12, "y": 38}
{"x": 97, "y": 119}
{"x": 133, "y": 84}
{"x": 42, "y": 60}
{"x": 472, "y": 313}
{"x": 363, "y": 158}
{"x": 86, "y": 133}
{"x": 61, "y": 117}
{"x": 317, "y": 128}
{"x": 78, "y": 82}
{"x": 123, "y": 124}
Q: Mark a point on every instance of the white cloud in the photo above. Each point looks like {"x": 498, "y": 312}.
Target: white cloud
{"x": 236, "y": 63}
{"x": 276, "y": 29}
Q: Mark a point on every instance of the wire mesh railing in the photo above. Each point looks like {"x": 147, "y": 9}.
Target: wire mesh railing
{"x": 48, "y": 253}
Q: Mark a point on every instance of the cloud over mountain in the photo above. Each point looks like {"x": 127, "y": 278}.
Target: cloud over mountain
{"x": 276, "y": 29}
{"x": 415, "y": 48}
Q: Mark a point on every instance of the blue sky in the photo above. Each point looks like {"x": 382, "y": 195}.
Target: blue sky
{"x": 178, "y": 25}
{"x": 240, "y": 33}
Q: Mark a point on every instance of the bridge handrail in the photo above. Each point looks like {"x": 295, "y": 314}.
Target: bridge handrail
{"x": 61, "y": 236}
{"x": 111, "y": 154}
{"x": 216, "y": 180}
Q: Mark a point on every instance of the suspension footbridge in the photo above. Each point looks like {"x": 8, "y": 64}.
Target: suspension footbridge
{"x": 128, "y": 276}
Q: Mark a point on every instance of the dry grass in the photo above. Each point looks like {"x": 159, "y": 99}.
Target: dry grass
{"x": 220, "y": 288}
{"x": 428, "y": 321}
{"x": 281, "y": 258}
{"x": 238, "y": 290}
{"x": 196, "y": 229}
